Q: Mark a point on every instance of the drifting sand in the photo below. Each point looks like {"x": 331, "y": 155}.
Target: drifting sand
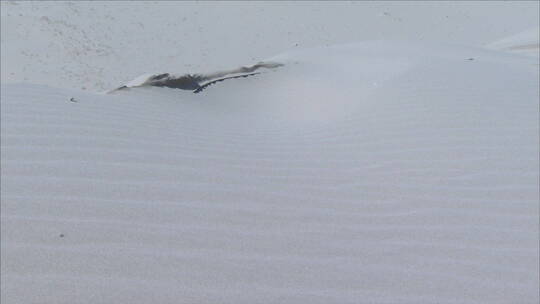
{"x": 372, "y": 172}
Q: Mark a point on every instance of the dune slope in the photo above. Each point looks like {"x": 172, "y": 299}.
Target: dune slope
{"x": 377, "y": 172}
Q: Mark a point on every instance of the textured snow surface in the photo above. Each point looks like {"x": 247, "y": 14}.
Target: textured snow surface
{"x": 370, "y": 172}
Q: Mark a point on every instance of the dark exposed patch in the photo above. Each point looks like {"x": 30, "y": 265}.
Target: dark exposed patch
{"x": 186, "y": 82}
{"x": 160, "y": 76}
{"x": 200, "y": 88}
{"x": 198, "y": 82}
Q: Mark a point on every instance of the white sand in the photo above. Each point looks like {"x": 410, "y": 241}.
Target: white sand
{"x": 372, "y": 172}
{"x": 524, "y": 43}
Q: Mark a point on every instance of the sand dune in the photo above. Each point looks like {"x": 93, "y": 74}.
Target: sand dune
{"x": 375, "y": 172}
{"x": 523, "y": 43}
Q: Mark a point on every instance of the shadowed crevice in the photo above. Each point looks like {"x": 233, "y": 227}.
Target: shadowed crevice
{"x": 197, "y": 82}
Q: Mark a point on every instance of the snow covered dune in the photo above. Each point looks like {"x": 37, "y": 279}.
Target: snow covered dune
{"x": 376, "y": 172}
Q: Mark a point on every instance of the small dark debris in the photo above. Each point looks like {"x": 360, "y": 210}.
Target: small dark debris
{"x": 61, "y": 235}
{"x": 72, "y": 99}
{"x": 470, "y": 59}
